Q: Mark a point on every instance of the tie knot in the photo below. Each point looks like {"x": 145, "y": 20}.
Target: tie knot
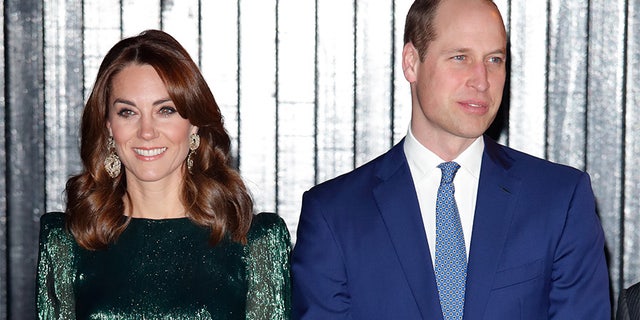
{"x": 449, "y": 170}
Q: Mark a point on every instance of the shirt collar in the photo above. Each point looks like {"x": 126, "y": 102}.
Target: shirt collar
{"x": 424, "y": 161}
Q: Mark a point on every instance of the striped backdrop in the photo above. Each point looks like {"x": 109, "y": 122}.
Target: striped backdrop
{"x": 311, "y": 89}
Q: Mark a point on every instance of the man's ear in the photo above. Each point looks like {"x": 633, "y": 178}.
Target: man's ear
{"x": 410, "y": 62}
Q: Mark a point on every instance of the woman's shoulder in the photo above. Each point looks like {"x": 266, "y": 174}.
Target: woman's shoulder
{"x": 53, "y": 230}
{"x": 268, "y": 225}
{"x": 52, "y": 219}
{"x": 51, "y": 222}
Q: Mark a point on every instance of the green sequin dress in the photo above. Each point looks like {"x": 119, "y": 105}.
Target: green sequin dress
{"x": 165, "y": 269}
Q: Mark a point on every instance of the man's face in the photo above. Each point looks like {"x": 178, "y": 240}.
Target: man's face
{"x": 457, "y": 88}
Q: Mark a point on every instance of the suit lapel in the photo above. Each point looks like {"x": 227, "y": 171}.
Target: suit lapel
{"x": 396, "y": 199}
{"x": 497, "y": 191}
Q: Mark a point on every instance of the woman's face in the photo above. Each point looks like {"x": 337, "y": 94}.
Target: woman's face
{"x": 152, "y": 139}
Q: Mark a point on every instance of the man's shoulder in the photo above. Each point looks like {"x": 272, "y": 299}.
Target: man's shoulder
{"x": 527, "y": 163}
{"x": 634, "y": 291}
{"x": 368, "y": 174}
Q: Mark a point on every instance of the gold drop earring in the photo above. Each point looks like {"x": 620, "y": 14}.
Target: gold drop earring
{"x": 112, "y": 163}
{"x": 194, "y": 143}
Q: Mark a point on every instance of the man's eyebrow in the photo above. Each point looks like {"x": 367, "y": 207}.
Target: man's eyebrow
{"x": 499, "y": 51}
{"x": 467, "y": 50}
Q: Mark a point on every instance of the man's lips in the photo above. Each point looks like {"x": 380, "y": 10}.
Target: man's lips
{"x": 475, "y": 104}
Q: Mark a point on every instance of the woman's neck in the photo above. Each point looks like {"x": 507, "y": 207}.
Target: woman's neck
{"x": 153, "y": 201}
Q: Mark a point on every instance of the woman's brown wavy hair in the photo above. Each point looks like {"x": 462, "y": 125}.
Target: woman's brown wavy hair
{"x": 213, "y": 194}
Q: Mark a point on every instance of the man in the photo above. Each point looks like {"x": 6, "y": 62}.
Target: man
{"x": 629, "y": 303}
{"x": 510, "y": 237}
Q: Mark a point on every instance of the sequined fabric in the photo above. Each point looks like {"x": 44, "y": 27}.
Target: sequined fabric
{"x": 165, "y": 269}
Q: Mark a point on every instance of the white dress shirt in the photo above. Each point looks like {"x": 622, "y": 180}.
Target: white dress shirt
{"x": 426, "y": 175}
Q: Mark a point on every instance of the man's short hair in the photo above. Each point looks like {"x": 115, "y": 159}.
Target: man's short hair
{"x": 419, "y": 27}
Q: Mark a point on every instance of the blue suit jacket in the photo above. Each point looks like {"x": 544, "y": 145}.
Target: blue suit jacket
{"x": 537, "y": 247}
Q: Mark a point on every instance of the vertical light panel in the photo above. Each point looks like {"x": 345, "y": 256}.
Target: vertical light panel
{"x": 296, "y": 106}
{"x": 504, "y": 7}
{"x": 528, "y": 76}
{"x": 25, "y": 147}
{"x": 605, "y": 119}
{"x": 101, "y": 20}
{"x": 257, "y": 100}
{"x": 181, "y": 19}
{"x": 139, "y": 15}
{"x": 219, "y": 61}
{"x": 630, "y": 270}
{"x": 309, "y": 89}
{"x": 63, "y": 90}
{"x": 335, "y": 68}
{"x": 4, "y": 280}
{"x": 499, "y": 129}
{"x": 401, "y": 99}
{"x": 567, "y": 97}
{"x": 374, "y": 29}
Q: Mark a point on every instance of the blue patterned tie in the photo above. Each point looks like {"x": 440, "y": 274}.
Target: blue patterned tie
{"x": 451, "y": 257}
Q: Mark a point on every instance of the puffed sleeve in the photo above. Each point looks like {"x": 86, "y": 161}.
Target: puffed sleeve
{"x": 268, "y": 268}
{"x": 56, "y": 265}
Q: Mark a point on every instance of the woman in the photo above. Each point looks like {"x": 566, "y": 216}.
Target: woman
{"x": 158, "y": 225}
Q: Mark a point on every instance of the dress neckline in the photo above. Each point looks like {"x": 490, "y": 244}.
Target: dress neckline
{"x": 139, "y": 220}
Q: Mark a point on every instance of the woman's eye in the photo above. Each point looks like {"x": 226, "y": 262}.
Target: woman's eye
{"x": 126, "y": 113}
{"x": 167, "y": 111}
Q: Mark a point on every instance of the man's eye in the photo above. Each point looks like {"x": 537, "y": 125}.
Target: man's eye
{"x": 496, "y": 60}
{"x": 458, "y": 58}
